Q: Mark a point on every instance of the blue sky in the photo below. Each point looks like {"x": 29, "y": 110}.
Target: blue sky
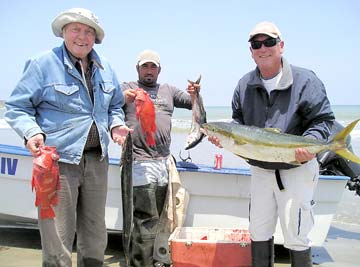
{"x": 197, "y": 37}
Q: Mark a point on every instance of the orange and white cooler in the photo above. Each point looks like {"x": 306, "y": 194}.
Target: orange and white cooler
{"x": 210, "y": 247}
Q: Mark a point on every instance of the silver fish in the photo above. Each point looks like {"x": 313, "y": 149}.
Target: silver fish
{"x": 198, "y": 117}
{"x": 251, "y": 142}
{"x": 127, "y": 195}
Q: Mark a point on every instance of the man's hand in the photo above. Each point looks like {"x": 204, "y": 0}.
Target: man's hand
{"x": 129, "y": 95}
{"x": 302, "y": 155}
{"x": 119, "y": 133}
{"x": 34, "y": 143}
{"x": 192, "y": 88}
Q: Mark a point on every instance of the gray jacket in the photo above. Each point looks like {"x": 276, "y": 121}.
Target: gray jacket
{"x": 165, "y": 98}
{"x": 298, "y": 106}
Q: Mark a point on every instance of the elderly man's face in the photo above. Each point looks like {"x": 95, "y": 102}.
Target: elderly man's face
{"x": 268, "y": 59}
{"x": 79, "y": 39}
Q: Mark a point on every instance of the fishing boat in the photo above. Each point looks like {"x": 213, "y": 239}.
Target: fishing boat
{"x": 218, "y": 197}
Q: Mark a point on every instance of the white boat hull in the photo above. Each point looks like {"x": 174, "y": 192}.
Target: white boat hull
{"x": 218, "y": 198}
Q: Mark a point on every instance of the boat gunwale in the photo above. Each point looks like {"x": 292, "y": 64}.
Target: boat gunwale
{"x": 200, "y": 168}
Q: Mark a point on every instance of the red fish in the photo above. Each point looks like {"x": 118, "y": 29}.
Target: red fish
{"x": 45, "y": 179}
{"x": 145, "y": 114}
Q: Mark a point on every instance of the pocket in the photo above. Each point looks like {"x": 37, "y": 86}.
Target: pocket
{"x": 306, "y": 218}
{"x": 68, "y": 97}
{"x": 106, "y": 94}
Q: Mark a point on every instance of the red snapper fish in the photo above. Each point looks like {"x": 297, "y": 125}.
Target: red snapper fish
{"x": 45, "y": 180}
{"x": 145, "y": 114}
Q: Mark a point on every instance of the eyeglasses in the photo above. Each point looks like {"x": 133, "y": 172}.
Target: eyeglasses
{"x": 270, "y": 42}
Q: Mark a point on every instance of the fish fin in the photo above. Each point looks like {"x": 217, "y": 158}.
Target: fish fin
{"x": 193, "y": 144}
{"x": 273, "y": 130}
{"x": 240, "y": 142}
{"x": 347, "y": 154}
{"x": 37, "y": 201}
{"x": 196, "y": 82}
{"x": 47, "y": 213}
{"x": 346, "y": 131}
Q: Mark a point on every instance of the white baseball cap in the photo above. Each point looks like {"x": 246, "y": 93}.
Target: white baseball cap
{"x": 267, "y": 28}
{"x": 148, "y": 56}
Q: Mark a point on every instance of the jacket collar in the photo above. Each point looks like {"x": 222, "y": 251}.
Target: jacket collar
{"x": 70, "y": 60}
{"x": 286, "y": 79}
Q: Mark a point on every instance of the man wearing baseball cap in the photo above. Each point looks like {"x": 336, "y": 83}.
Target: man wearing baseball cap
{"x": 279, "y": 95}
{"x": 70, "y": 98}
{"x": 152, "y": 163}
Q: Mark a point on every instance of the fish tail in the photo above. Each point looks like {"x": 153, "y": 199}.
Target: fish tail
{"x": 37, "y": 201}
{"x": 196, "y": 82}
{"x": 150, "y": 140}
{"x": 347, "y": 154}
{"x": 341, "y": 139}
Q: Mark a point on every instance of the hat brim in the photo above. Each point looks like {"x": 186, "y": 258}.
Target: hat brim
{"x": 69, "y": 17}
{"x": 150, "y": 60}
{"x": 263, "y": 33}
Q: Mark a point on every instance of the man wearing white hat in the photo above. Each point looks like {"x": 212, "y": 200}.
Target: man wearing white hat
{"x": 292, "y": 99}
{"x": 70, "y": 98}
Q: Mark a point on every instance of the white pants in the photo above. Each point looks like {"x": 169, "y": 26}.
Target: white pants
{"x": 150, "y": 172}
{"x": 293, "y": 205}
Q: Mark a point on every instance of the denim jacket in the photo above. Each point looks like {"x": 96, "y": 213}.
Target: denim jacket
{"x": 51, "y": 99}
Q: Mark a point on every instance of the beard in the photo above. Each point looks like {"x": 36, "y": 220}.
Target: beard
{"x": 148, "y": 80}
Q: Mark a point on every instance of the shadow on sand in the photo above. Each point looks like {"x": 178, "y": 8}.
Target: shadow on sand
{"x": 30, "y": 239}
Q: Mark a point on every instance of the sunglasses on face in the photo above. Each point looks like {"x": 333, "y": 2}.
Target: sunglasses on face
{"x": 270, "y": 42}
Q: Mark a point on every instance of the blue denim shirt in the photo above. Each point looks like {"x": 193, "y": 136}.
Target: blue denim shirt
{"x": 51, "y": 98}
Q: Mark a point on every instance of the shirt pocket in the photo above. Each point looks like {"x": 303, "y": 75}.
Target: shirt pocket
{"x": 68, "y": 97}
{"x": 107, "y": 90}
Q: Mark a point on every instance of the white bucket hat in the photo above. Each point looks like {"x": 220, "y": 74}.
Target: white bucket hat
{"x": 80, "y": 15}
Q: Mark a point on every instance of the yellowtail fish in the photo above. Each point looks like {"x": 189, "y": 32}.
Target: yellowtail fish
{"x": 250, "y": 142}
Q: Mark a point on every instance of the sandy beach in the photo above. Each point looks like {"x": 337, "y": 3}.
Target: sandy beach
{"x": 21, "y": 247}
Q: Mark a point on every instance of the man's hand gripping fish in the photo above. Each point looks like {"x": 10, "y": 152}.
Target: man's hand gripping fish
{"x": 145, "y": 114}
{"x": 198, "y": 118}
{"x": 45, "y": 179}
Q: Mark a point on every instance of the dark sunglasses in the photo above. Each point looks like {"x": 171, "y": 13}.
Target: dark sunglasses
{"x": 270, "y": 42}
